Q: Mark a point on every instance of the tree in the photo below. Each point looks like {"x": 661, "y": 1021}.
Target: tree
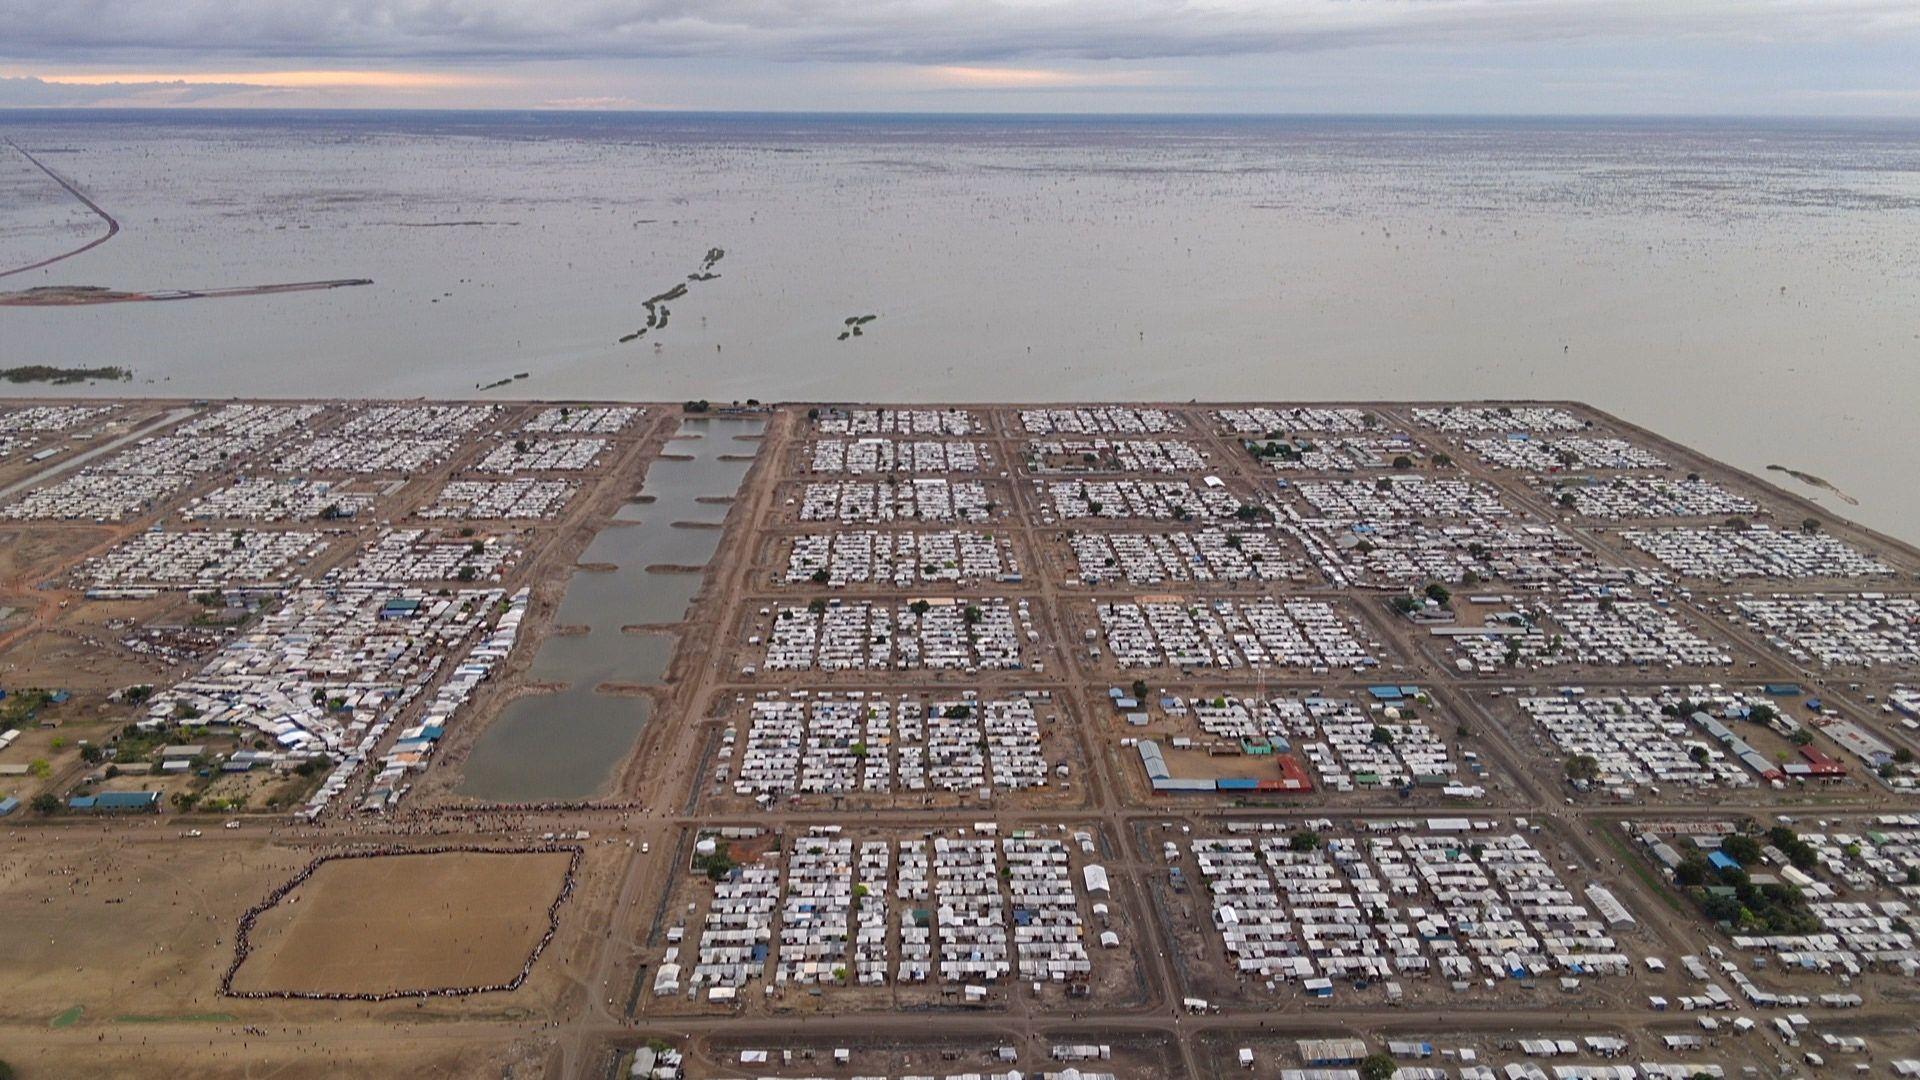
{"x": 46, "y": 803}
{"x": 1381, "y": 736}
{"x": 1438, "y": 593}
{"x": 1304, "y": 840}
{"x": 821, "y": 576}
{"x": 919, "y": 607}
{"x": 1583, "y": 768}
{"x": 1377, "y": 1067}
{"x": 1692, "y": 871}
{"x": 1140, "y": 689}
{"x": 1403, "y": 462}
{"x": 1741, "y": 849}
{"x": 1810, "y": 525}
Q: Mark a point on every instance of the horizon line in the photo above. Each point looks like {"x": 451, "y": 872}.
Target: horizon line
{"x": 548, "y": 110}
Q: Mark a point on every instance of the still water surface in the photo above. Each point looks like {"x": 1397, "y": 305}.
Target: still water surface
{"x": 567, "y": 745}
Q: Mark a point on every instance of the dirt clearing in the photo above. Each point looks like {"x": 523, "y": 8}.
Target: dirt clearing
{"x": 406, "y": 923}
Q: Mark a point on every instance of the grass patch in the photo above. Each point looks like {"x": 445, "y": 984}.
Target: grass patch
{"x": 69, "y": 1018}
{"x": 1643, "y": 871}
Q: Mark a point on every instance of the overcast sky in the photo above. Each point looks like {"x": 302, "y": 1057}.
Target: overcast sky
{"x": 1752, "y": 57}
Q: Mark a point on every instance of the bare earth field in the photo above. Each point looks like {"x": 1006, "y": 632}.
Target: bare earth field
{"x": 127, "y": 925}
{"x": 405, "y": 922}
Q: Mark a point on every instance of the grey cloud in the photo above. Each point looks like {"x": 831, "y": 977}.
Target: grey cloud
{"x": 911, "y": 31}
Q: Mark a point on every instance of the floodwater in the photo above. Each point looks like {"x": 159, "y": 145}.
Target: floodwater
{"x": 567, "y": 745}
{"x": 1750, "y": 287}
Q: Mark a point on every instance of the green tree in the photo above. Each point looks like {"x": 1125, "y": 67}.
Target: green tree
{"x": 1741, "y": 849}
{"x": 46, "y": 803}
{"x": 1583, "y": 768}
{"x": 1692, "y": 871}
{"x": 1377, "y": 1067}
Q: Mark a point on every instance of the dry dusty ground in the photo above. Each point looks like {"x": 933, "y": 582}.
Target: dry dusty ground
{"x": 131, "y": 926}
{"x": 222, "y": 1052}
{"x": 406, "y": 922}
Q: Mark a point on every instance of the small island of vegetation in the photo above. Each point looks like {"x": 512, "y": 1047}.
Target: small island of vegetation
{"x": 63, "y": 376}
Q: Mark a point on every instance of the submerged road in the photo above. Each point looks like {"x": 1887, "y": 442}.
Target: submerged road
{"x": 113, "y": 226}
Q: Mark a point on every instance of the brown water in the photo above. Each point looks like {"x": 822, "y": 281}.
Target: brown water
{"x": 1750, "y": 288}
{"x": 568, "y": 745}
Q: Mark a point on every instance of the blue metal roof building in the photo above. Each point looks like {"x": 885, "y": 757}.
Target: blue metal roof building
{"x": 116, "y": 802}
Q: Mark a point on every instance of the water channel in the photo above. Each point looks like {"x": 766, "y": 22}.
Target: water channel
{"x": 568, "y": 745}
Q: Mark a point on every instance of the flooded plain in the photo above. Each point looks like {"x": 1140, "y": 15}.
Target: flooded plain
{"x": 615, "y": 627}
{"x": 1752, "y": 288}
